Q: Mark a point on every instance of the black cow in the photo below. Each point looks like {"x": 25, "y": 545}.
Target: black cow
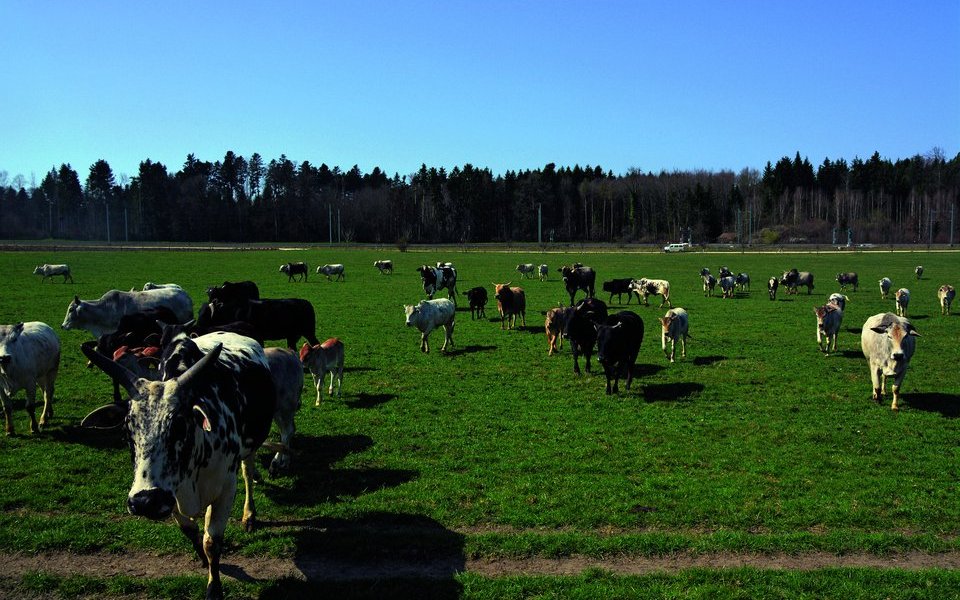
{"x": 477, "y": 297}
{"x": 234, "y": 291}
{"x": 578, "y": 278}
{"x": 618, "y": 343}
{"x": 293, "y": 269}
{"x": 272, "y": 319}
{"x": 581, "y": 329}
{"x": 618, "y": 287}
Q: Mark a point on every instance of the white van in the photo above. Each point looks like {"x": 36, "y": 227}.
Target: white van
{"x": 675, "y": 247}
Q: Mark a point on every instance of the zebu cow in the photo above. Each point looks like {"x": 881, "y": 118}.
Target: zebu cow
{"x": 903, "y": 301}
{"x": 190, "y": 433}
{"x": 287, "y": 373}
{"x": 544, "y": 272}
{"x": 618, "y": 344}
{"x": 322, "y": 359}
{"x": 103, "y": 315}
{"x": 946, "y": 294}
{"x": 742, "y": 281}
{"x": 511, "y": 301}
{"x": 436, "y": 279}
{"x": 159, "y": 286}
{"x": 328, "y": 270}
{"x": 829, "y": 319}
{"x": 554, "y": 323}
{"x": 384, "y": 266}
{"x": 885, "y": 285}
{"x": 793, "y": 279}
{"x": 231, "y": 292}
{"x": 838, "y": 299}
{"x": 618, "y": 287}
{"x": 772, "y": 285}
{"x": 728, "y": 286}
{"x": 272, "y": 319}
{"x": 581, "y": 329}
{"x": 292, "y": 269}
{"x": 888, "y": 342}
{"x": 47, "y": 271}
{"x": 724, "y": 272}
{"x": 29, "y": 356}
{"x": 526, "y": 270}
{"x": 709, "y": 284}
{"x": 850, "y": 278}
{"x": 919, "y": 272}
{"x": 578, "y": 278}
{"x": 477, "y": 298}
{"x": 644, "y": 287}
{"x": 430, "y": 314}
{"x": 674, "y": 326}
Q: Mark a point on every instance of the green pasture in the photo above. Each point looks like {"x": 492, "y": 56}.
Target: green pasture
{"x": 755, "y": 442}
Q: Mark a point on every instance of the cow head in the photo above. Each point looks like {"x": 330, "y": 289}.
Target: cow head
{"x": 502, "y": 289}
{"x": 412, "y": 313}
{"x": 38, "y": 270}
{"x": 666, "y": 321}
{"x": 896, "y": 334}
{"x": 73, "y": 312}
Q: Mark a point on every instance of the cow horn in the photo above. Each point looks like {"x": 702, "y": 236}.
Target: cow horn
{"x": 208, "y": 359}
{"x": 114, "y": 370}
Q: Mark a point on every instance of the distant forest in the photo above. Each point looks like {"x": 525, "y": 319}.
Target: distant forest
{"x": 247, "y": 200}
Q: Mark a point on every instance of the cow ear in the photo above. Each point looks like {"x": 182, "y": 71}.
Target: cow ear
{"x": 879, "y": 329}
{"x": 106, "y": 417}
{"x": 912, "y": 331}
{"x": 203, "y": 417}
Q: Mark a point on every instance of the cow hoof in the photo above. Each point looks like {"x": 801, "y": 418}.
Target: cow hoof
{"x": 250, "y": 524}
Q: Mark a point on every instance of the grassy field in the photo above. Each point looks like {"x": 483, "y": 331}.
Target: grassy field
{"x": 755, "y": 442}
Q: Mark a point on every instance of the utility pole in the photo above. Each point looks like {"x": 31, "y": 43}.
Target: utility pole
{"x": 539, "y": 224}
{"x": 330, "y": 222}
{"x": 338, "y": 226}
{"x": 930, "y": 229}
{"x": 952, "y": 207}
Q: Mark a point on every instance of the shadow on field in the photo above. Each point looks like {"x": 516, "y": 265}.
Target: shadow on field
{"x": 702, "y": 361}
{"x": 850, "y": 353}
{"x": 918, "y": 317}
{"x": 314, "y": 480}
{"x": 470, "y": 350}
{"x": 856, "y": 330}
{"x": 378, "y": 555}
{"x": 365, "y": 400}
{"x": 948, "y": 405}
{"x": 531, "y": 329}
{"x": 358, "y": 369}
{"x": 101, "y": 439}
{"x": 671, "y": 392}
{"x": 643, "y": 370}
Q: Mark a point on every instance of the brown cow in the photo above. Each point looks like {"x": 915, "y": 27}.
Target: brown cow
{"x": 511, "y": 301}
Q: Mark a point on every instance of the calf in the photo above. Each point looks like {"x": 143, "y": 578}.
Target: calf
{"x": 728, "y": 285}
{"x": 829, "y": 318}
{"x": 772, "y": 285}
{"x": 709, "y": 284}
{"x": 430, "y": 314}
{"x": 328, "y": 270}
{"x": 845, "y": 279}
{"x": 742, "y": 281}
{"x": 272, "y": 319}
{"x": 674, "y": 325}
{"x": 544, "y": 272}
{"x": 885, "y": 285}
{"x": 322, "y": 359}
{"x": 903, "y": 301}
{"x": 888, "y": 343}
{"x": 436, "y": 279}
{"x": 658, "y": 287}
{"x": 526, "y": 270}
{"x": 554, "y": 323}
{"x": 946, "y": 294}
{"x": 618, "y": 287}
{"x": 838, "y": 299}
{"x": 581, "y": 329}
{"x": 578, "y": 278}
{"x": 293, "y": 269}
{"x": 287, "y": 373}
{"x": 511, "y": 301}
{"x": 618, "y": 343}
{"x": 384, "y": 266}
{"x": 29, "y": 356}
{"x": 47, "y": 271}
{"x": 919, "y": 272}
{"x": 477, "y": 298}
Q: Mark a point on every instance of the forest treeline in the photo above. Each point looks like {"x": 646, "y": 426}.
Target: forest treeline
{"x": 239, "y": 199}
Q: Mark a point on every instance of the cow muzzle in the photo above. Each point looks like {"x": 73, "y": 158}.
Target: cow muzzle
{"x": 154, "y": 504}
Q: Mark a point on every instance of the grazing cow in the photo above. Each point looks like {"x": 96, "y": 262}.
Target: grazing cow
{"x": 829, "y": 318}
{"x": 526, "y": 270}
{"x": 436, "y": 279}
{"x": 946, "y": 294}
{"x": 919, "y": 272}
{"x": 544, "y": 272}
{"x": 233, "y": 292}
{"x": 159, "y": 286}
{"x": 793, "y": 279}
{"x": 328, "y": 270}
{"x": 618, "y": 343}
{"x": 644, "y": 287}
{"x": 287, "y": 373}
{"x": 728, "y": 285}
{"x": 581, "y": 329}
{"x": 191, "y": 432}
{"x": 292, "y": 269}
{"x": 772, "y": 285}
{"x": 674, "y": 325}
{"x": 511, "y": 301}
{"x": 29, "y": 356}
{"x": 845, "y": 279}
{"x": 742, "y": 281}
{"x": 885, "y": 285}
{"x": 578, "y": 278}
{"x": 709, "y": 284}
{"x": 136, "y": 333}
{"x": 554, "y": 323}
{"x": 618, "y": 287}
{"x": 272, "y": 319}
{"x": 725, "y": 272}
{"x": 704, "y": 272}
{"x": 903, "y": 301}
{"x": 47, "y": 271}
{"x": 322, "y": 359}
{"x": 430, "y": 314}
{"x": 384, "y": 266}
{"x": 838, "y": 299}
{"x": 477, "y": 298}
{"x": 888, "y": 342}
{"x": 103, "y": 315}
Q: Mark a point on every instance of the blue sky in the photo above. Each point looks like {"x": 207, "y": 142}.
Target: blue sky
{"x": 504, "y": 85}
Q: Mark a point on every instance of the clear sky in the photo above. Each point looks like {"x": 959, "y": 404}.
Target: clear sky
{"x": 506, "y": 85}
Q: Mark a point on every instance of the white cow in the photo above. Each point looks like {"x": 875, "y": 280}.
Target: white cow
{"x": 321, "y": 359}
{"x": 888, "y": 342}
{"x": 526, "y": 270}
{"x": 919, "y": 272}
{"x": 430, "y": 314}
{"x": 674, "y": 326}
{"x": 102, "y": 316}
{"x": 159, "y": 286}
{"x": 903, "y": 301}
{"x": 544, "y": 272}
{"x": 829, "y": 319}
{"x": 946, "y": 294}
{"x": 838, "y": 299}
{"x": 709, "y": 284}
{"x": 728, "y": 285}
{"x": 328, "y": 270}
{"x": 47, "y": 271}
{"x": 644, "y": 287}
{"x": 287, "y": 373}
{"x": 742, "y": 281}
{"x": 29, "y": 355}
{"x": 885, "y": 285}
{"x": 384, "y": 266}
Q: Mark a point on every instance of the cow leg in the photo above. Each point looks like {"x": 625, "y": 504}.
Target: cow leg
{"x": 875, "y": 380}
{"x": 249, "y": 509}
{"x": 576, "y": 355}
{"x": 318, "y": 383}
{"x": 31, "y": 391}
{"x": 523, "y": 317}
{"x": 448, "y": 336}
{"x": 287, "y": 427}
{"x": 673, "y": 349}
{"x": 683, "y": 346}
{"x": 587, "y": 358}
{"x": 339, "y": 379}
{"x": 7, "y": 411}
{"x": 47, "y": 385}
{"x": 215, "y": 525}
{"x": 191, "y": 531}
{"x": 425, "y": 343}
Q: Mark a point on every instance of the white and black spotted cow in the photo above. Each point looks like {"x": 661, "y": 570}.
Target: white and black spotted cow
{"x": 438, "y": 278}
{"x": 190, "y": 432}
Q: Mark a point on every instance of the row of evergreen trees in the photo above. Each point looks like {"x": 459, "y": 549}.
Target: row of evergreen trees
{"x": 239, "y": 199}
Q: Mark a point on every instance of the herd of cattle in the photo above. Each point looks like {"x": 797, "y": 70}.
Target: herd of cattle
{"x": 202, "y": 392}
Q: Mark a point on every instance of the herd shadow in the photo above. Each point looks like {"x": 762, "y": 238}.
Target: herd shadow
{"x": 470, "y": 350}
{"x": 643, "y": 370}
{"x": 948, "y": 405}
{"x": 703, "y": 361}
{"x": 671, "y": 392}
{"x": 365, "y": 400}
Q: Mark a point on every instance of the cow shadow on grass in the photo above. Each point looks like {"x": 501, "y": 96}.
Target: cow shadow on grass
{"x": 850, "y": 353}
{"x": 376, "y": 555}
{"x": 917, "y": 317}
{"x": 948, "y": 405}
{"x": 365, "y": 400}
{"x": 671, "y": 392}
{"x": 639, "y": 370}
{"x": 358, "y": 369}
{"x": 100, "y": 439}
{"x": 855, "y": 330}
{"x": 703, "y": 361}
{"x": 470, "y": 350}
